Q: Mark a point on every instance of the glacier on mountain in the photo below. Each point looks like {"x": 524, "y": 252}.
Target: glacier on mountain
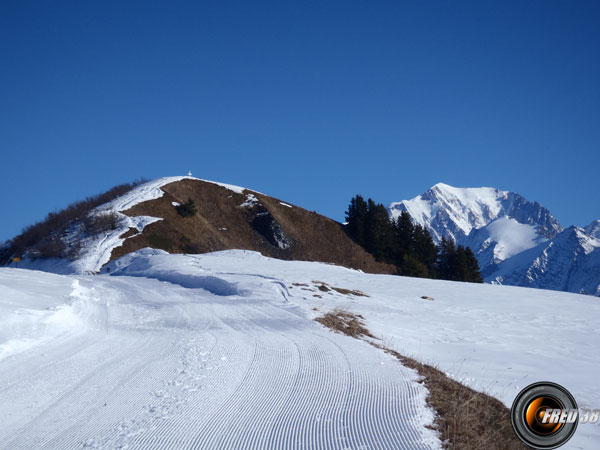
{"x": 451, "y": 212}
{"x": 516, "y": 241}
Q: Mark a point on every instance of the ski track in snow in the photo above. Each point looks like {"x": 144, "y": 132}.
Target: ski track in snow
{"x": 159, "y": 365}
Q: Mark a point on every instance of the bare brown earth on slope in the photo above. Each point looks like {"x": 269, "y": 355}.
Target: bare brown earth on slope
{"x": 222, "y": 223}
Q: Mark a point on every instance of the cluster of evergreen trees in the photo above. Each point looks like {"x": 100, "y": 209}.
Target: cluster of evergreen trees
{"x": 406, "y": 245}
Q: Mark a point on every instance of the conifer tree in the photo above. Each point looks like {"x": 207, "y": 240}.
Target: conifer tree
{"x": 424, "y": 249}
{"x": 459, "y": 269}
{"x": 457, "y": 263}
{"x": 412, "y": 267}
{"x": 403, "y": 237}
{"x": 378, "y": 232}
{"x": 408, "y": 246}
{"x": 472, "y": 267}
{"x": 356, "y": 218}
{"x": 445, "y": 259}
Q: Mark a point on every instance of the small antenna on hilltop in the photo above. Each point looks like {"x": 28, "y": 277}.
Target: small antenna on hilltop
{"x": 189, "y": 173}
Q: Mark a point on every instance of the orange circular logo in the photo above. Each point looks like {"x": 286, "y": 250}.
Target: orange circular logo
{"x": 544, "y": 415}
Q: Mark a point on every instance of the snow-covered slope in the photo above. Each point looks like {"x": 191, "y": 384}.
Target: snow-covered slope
{"x": 570, "y": 262}
{"x": 219, "y": 351}
{"x": 501, "y": 239}
{"x": 183, "y": 356}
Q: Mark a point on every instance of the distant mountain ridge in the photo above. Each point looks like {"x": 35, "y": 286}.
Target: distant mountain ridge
{"x": 516, "y": 241}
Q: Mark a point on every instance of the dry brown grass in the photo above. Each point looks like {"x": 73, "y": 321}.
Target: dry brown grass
{"x": 324, "y": 287}
{"x": 466, "y": 419}
{"x": 130, "y": 232}
{"x": 314, "y": 237}
{"x": 345, "y": 322}
{"x": 354, "y": 292}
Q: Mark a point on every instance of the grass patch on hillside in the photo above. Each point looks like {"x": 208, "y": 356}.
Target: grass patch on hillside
{"x": 345, "y": 322}
{"x": 466, "y": 419}
{"x": 160, "y": 242}
{"x": 324, "y": 287}
{"x": 349, "y": 291}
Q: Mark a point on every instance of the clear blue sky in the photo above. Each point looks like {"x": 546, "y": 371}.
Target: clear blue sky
{"x": 308, "y": 101}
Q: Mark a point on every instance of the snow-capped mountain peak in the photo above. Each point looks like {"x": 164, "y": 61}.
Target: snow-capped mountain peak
{"x": 588, "y": 240}
{"x": 593, "y": 229}
{"x": 448, "y": 211}
{"x": 516, "y": 241}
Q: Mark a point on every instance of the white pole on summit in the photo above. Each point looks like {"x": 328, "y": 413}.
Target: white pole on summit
{"x": 189, "y": 173}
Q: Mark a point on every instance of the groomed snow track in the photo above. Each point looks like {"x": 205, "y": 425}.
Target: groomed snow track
{"x": 161, "y": 366}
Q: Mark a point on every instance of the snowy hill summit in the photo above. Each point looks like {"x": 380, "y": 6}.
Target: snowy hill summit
{"x": 184, "y": 215}
{"x": 516, "y": 241}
